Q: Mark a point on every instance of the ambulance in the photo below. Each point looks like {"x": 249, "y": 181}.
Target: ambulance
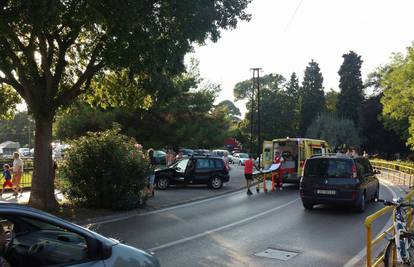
{"x": 294, "y": 152}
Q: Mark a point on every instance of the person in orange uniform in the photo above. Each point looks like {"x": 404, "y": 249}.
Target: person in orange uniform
{"x": 248, "y": 173}
{"x": 279, "y": 160}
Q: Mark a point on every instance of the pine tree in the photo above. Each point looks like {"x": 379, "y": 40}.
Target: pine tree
{"x": 312, "y": 96}
{"x": 351, "y": 95}
{"x": 292, "y": 91}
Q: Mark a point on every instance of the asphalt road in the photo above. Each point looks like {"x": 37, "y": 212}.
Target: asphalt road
{"x": 228, "y": 230}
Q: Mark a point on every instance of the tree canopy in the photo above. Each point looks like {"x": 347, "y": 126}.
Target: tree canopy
{"x": 50, "y": 52}
{"x": 351, "y": 96}
{"x": 398, "y": 88}
{"x": 312, "y": 96}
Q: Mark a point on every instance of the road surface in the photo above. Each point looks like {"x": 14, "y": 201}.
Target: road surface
{"x": 233, "y": 229}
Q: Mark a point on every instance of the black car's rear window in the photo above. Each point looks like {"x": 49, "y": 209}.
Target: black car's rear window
{"x": 328, "y": 167}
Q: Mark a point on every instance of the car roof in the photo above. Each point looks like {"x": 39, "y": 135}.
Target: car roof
{"x": 335, "y": 156}
{"x": 205, "y": 157}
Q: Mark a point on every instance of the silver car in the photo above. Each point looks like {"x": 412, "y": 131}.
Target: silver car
{"x": 36, "y": 238}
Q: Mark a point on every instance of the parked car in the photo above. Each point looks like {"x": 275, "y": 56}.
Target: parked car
{"x": 194, "y": 170}
{"x": 24, "y": 151}
{"x": 36, "y": 238}
{"x": 338, "y": 179}
{"x": 240, "y": 158}
{"x": 201, "y": 152}
{"x": 186, "y": 152}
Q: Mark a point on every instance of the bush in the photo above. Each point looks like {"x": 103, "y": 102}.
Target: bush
{"x": 104, "y": 170}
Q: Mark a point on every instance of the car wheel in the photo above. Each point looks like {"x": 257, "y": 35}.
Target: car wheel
{"x": 163, "y": 183}
{"x": 216, "y": 182}
{"x": 361, "y": 204}
{"x": 307, "y": 205}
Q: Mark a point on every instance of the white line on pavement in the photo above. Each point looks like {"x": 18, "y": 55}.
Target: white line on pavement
{"x": 127, "y": 216}
{"x": 357, "y": 258}
{"x": 186, "y": 239}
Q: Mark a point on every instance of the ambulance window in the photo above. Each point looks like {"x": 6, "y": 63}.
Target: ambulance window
{"x": 316, "y": 151}
{"x": 267, "y": 153}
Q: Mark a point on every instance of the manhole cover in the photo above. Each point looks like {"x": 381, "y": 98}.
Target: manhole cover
{"x": 277, "y": 254}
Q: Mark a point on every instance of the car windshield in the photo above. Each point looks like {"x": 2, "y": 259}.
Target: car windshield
{"x": 243, "y": 155}
{"x": 328, "y": 167}
{"x": 159, "y": 153}
{"x": 181, "y": 165}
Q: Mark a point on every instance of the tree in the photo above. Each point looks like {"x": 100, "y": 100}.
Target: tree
{"x": 8, "y": 101}
{"x": 277, "y": 109}
{"x": 50, "y": 52}
{"x": 398, "y": 87}
{"x": 331, "y": 100}
{"x": 351, "y": 96}
{"x": 337, "y": 131}
{"x": 292, "y": 90}
{"x": 312, "y": 96}
{"x": 231, "y": 108}
{"x": 376, "y": 138}
{"x": 188, "y": 118}
{"x": 19, "y": 129}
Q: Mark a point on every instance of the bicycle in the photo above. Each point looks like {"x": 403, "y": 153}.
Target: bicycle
{"x": 402, "y": 238}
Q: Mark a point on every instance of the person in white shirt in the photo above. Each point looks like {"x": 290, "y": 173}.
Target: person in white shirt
{"x": 17, "y": 171}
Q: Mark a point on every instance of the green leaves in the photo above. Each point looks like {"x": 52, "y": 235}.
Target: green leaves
{"x": 398, "y": 84}
{"x": 351, "y": 95}
{"x": 312, "y": 96}
{"x": 104, "y": 170}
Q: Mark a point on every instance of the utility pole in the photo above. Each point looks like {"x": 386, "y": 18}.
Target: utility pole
{"x": 251, "y": 116}
{"x": 256, "y": 74}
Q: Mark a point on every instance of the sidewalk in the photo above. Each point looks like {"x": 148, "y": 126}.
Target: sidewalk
{"x": 23, "y": 198}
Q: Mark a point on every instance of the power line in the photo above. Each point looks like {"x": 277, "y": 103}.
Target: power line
{"x": 293, "y": 15}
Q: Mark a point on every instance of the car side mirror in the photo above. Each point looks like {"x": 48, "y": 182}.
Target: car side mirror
{"x": 105, "y": 251}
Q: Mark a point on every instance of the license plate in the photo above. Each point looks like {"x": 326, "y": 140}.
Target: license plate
{"x": 325, "y": 192}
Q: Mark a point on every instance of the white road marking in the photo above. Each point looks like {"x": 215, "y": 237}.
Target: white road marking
{"x": 128, "y": 216}
{"x": 221, "y": 228}
{"x": 357, "y": 258}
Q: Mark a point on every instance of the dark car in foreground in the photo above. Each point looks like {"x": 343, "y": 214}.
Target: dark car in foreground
{"x": 194, "y": 170}
{"x": 338, "y": 179}
{"x": 36, "y": 238}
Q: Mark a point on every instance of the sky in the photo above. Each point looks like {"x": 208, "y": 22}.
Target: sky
{"x": 284, "y": 35}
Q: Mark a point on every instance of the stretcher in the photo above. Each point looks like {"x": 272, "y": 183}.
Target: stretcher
{"x": 263, "y": 176}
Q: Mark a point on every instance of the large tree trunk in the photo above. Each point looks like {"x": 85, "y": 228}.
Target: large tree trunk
{"x": 42, "y": 194}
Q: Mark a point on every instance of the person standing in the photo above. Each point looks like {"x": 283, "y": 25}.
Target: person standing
{"x": 279, "y": 160}
{"x": 226, "y": 160}
{"x": 153, "y": 164}
{"x": 7, "y": 177}
{"x": 248, "y": 173}
{"x": 17, "y": 172}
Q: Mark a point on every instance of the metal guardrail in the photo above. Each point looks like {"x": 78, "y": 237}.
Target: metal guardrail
{"x": 394, "y": 171}
{"x": 398, "y": 173}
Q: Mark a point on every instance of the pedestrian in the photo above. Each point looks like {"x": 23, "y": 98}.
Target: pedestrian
{"x": 279, "y": 160}
{"x": 248, "y": 173}
{"x": 179, "y": 156}
{"x": 226, "y": 160}
{"x": 7, "y": 177}
{"x": 354, "y": 153}
{"x": 17, "y": 172}
{"x": 365, "y": 154}
{"x": 151, "y": 177}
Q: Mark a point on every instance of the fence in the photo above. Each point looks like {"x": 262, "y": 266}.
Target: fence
{"x": 398, "y": 174}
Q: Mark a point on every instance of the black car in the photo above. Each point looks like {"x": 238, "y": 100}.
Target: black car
{"x": 194, "y": 170}
{"x": 338, "y": 179}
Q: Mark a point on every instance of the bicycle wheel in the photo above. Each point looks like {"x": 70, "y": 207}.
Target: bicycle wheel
{"x": 388, "y": 261}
